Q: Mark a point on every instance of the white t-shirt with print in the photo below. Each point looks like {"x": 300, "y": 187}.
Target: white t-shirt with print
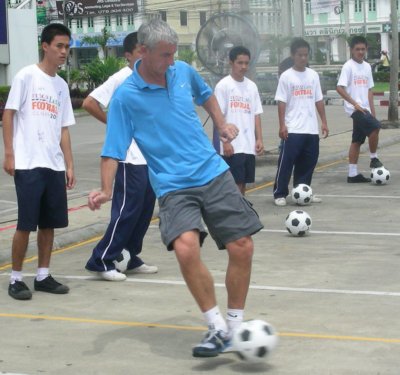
{"x": 357, "y": 80}
{"x": 300, "y": 91}
{"x": 103, "y": 95}
{"x": 43, "y": 106}
{"x": 240, "y": 103}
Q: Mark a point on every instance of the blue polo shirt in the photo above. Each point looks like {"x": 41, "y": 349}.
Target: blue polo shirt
{"x": 164, "y": 123}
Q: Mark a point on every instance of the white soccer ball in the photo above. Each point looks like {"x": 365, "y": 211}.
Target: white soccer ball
{"x": 254, "y": 340}
{"x": 302, "y": 194}
{"x": 380, "y": 176}
{"x": 298, "y": 223}
{"x": 122, "y": 261}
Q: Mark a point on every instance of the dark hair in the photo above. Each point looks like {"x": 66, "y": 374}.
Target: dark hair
{"x": 298, "y": 43}
{"x": 358, "y": 39}
{"x": 130, "y": 42}
{"x": 52, "y": 30}
{"x": 236, "y": 51}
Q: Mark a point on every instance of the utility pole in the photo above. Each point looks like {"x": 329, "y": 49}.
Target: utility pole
{"x": 347, "y": 26}
{"x": 393, "y": 112}
{"x": 286, "y": 15}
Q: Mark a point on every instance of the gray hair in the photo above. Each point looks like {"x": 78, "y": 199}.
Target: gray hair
{"x": 155, "y": 31}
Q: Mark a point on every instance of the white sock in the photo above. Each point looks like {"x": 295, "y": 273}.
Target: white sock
{"x": 15, "y": 276}
{"x": 42, "y": 273}
{"x": 234, "y": 319}
{"x": 353, "y": 170}
{"x": 373, "y": 155}
{"x": 215, "y": 320}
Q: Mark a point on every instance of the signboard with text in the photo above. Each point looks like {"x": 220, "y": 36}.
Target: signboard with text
{"x": 80, "y": 8}
{"x": 338, "y": 30}
{"x": 323, "y": 6}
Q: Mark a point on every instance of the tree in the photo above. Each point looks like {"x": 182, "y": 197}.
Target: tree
{"x": 98, "y": 71}
{"x": 393, "y": 112}
{"x": 187, "y": 55}
{"x": 99, "y": 40}
{"x": 276, "y": 44}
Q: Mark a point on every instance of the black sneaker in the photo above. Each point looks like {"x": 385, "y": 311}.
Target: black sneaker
{"x": 19, "y": 290}
{"x": 214, "y": 343}
{"x": 375, "y": 163}
{"x": 357, "y": 179}
{"x": 49, "y": 285}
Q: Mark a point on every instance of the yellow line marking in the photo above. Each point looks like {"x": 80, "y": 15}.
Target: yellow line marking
{"x": 190, "y": 328}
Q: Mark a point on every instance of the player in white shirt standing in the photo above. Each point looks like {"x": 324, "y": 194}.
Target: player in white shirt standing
{"x": 355, "y": 87}
{"x": 133, "y": 197}
{"x": 37, "y": 150}
{"x": 298, "y": 95}
{"x": 240, "y": 104}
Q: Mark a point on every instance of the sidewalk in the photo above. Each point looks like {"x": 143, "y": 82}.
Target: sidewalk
{"x": 85, "y": 224}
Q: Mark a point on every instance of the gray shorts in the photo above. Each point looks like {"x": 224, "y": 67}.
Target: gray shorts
{"x": 227, "y": 214}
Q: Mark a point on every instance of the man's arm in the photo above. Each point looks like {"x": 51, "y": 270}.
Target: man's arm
{"x": 65, "y": 145}
{"x": 258, "y": 131}
{"x": 93, "y": 107}
{"x": 371, "y": 102}
{"x": 108, "y": 169}
{"x": 321, "y": 111}
{"x": 8, "y": 134}
{"x": 283, "y": 132}
{"x": 227, "y": 132}
{"x": 341, "y": 90}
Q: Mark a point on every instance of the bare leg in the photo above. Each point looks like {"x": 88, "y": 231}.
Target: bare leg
{"x": 239, "y": 270}
{"x": 19, "y": 246}
{"x": 354, "y": 153}
{"x": 373, "y": 140}
{"x": 195, "y": 273}
{"x": 45, "y": 240}
{"x": 242, "y": 188}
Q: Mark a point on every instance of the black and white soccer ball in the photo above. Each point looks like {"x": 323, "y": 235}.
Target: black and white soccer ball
{"x": 254, "y": 340}
{"x": 302, "y": 194}
{"x": 122, "y": 261}
{"x": 380, "y": 176}
{"x": 298, "y": 223}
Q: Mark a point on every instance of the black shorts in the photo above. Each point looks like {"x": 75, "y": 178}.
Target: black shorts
{"x": 363, "y": 125}
{"x": 243, "y": 167}
{"x": 42, "y": 199}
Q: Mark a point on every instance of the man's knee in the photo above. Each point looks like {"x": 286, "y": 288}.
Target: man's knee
{"x": 241, "y": 249}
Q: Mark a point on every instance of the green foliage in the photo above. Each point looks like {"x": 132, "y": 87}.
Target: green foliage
{"x": 187, "y": 55}
{"x": 381, "y": 76}
{"x": 99, "y": 40}
{"x": 97, "y": 71}
{"x": 320, "y": 57}
{"x": 276, "y": 44}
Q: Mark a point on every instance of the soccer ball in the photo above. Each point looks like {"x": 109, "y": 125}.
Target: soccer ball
{"x": 302, "y": 194}
{"x": 122, "y": 261}
{"x": 254, "y": 340}
{"x": 380, "y": 176}
{"x": 298, "y": 223}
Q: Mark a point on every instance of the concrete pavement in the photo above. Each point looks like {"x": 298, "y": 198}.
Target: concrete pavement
{"x": 333, "y": 295}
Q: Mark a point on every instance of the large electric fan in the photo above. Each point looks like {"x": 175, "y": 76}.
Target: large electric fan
{"x": 219, "y": 35}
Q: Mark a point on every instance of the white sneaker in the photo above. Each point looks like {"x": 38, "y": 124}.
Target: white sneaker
{"x": 144, "y": 268}
{"x": 315, "y": 199}
{"x": 112, "y": 275}
{"x": 280, "y": 201}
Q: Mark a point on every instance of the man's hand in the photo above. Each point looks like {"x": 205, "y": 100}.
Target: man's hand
{"x": 283, "y": 133}
{"x": 228, "y": 132}
{"x": 97, "y": 198}
{"x": 70, "y": 179}
{"x": 259, "y": 147}
{"x": 357, "y": 107}
{"x": 324, "y": 130}
{"x": 228, "y": 149}
{"x": 9, "y": 164}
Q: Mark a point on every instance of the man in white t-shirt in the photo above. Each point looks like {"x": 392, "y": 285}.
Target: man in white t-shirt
{"x": 37, "y": 152}
{"x": 298, "y": 95}
{"x": 355, "y": 87}
{"x": 240, "y": 103}
{"x": 133, "y": 197}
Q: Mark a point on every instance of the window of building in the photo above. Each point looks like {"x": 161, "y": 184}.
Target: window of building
{"x": 372, "y": 5}
{"x": 163, "y": 15}
{"x": 90, "y": 22}
{"x": 130, "y": 19}
{"x": 308, "y": 6}
{"x": 357, "y": 6}
{"x": 183, "y": 17}
{"x": 118, "y": 20}
{"x": 79, "y": 23}
{"x": 107, "y": 21}
{"x": 70, "y": 23}
{"x": 203, "y": 18}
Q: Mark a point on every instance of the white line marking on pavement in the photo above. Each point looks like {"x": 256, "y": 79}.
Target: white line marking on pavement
{"x": 222, "y": 285}
{"x": 336, "y": 232}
